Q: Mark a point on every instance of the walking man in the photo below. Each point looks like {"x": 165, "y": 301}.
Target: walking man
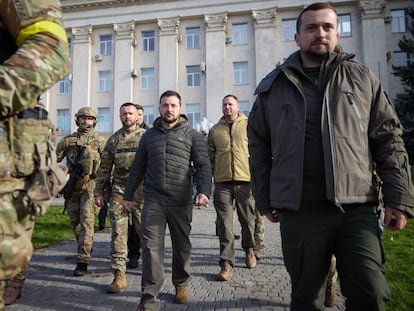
{"x": 320, "y": 124}
{"x": 228, "y": 151}
{"x": 165, "y": 157}
{"x": 82, "y": 150}
{"x": 116, "y": 161}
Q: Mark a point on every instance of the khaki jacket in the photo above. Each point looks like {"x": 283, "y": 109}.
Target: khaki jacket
{"x": 228, "y": 150}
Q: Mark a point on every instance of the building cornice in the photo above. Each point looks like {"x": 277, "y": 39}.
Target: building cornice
{"x": 82, "y": 5}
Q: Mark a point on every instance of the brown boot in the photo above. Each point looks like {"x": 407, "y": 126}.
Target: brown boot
{"x": 330, "y": 294}
{"x": 226, "y": 273}
{"x": 12, "y": 292}
{"x": 119, "y": 283}
{"x": 250, "y": 258}
{"x": 181, "y": 294}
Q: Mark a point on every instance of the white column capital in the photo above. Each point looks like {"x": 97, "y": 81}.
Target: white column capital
{"x": 82, "y": 34}
{"x": 124, "y": 30}
{"x": 264, "y": 18}
{"x": 372, "y": 8}
{"x": 215, "y": 22}
{"x": 168, "y": 26}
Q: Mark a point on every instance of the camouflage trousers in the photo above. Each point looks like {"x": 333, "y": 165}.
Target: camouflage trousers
{"x": 82, "y": 210}
{"x": 259, "y": 231}
{"x": 15, "y": 242}
{"x": 119, "y": 218}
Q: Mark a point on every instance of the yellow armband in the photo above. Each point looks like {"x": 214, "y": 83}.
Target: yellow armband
{"x": 39, "y": 27}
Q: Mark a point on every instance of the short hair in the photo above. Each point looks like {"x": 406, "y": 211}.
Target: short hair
{"x": 232, "y": 96}
{"x": 313, "y": 7}
{"x": 138, "y": 107}
{"x": 170, "y": 93}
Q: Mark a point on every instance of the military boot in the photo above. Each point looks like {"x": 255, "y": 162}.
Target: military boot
{"x": 12, "y": 292}
{"x": 119, "y": 283}
{"x": 81, "y": 269}
{"x": 181, "y": 294}
{"x": 250, "y": 258}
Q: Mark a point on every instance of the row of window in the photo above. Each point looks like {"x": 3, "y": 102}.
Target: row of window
{"x": 105, "y": 116}
{"x": 399, "y": 20}
{"x": 147, "y": 78}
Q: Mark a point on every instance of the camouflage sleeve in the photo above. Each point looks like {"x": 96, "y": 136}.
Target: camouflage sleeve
{"x": 105, "y": 168}
{"x": 42, "y": 56}
{"x": 60, "y": 150}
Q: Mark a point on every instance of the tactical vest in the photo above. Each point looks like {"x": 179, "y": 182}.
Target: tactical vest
{"x": 125, "y": 153}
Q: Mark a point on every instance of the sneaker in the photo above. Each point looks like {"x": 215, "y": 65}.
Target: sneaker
{"x": 330, "y": 295}
{"x": 181, "y": 294}
{"x": 226, "y": 273}
{"x": 81, "y": 269}
{"x": 250, "y": 258}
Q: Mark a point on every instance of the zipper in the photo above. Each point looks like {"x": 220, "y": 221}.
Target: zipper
{"x": 358, "y": 116}
{"x": 279, "y": 130}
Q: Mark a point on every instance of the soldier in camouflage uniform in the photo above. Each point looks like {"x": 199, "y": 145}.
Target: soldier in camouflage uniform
{"x": 33, "y": 57}
{"x": 116, "y": 160}
{"x": 80, "y": 204}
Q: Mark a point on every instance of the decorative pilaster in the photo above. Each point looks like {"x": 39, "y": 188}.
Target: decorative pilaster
{"x": 215, "y": 22}
{"x": 168, "y": 53}
{"x": 124, "y": 30}
{"x": 168, "y": 26}
{"x": 264, "y": 18}
{"x": 372, "y": 8}
{"x": 82, "y": 34}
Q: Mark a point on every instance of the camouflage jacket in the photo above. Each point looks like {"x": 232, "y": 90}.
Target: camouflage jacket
{"x": 91, "y": 159}
{"x": 34, "y": 55}
{"x": 116, "y": 160}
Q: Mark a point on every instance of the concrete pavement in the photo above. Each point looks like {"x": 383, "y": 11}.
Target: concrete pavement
{"x": 50, "y": 283}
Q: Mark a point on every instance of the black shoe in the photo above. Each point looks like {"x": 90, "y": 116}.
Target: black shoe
{"x": 81, "y": 269}
{"x": 237, "y": 237}
{"x": 101, "y": 227}
{"x": 133, "y": 263}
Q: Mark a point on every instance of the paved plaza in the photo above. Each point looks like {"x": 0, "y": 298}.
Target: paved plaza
{"x": 50, "y": 283}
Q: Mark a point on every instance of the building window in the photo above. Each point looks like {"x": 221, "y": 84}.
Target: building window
{"x": 104, "y": 120}
{"x": 240, "y": 73}
{"x": 399, "y": 21}
{"x": 148, "y": 41}
{"x": 193, "y": 114}
{"x": 244, "y": 107}
{"x": 148, "y": 115}
{"x": 193, "y": 37}
{"x": 105, "y": 45}
{"x": 344, "y": 25}
{"x": 402, "y": 59}
{"x": 147, "y": 78}
{"x": 63, "y": 120}
{"x": 70, "y": 47}
{"x": 193, "y": 76}
{"x": 288, "y": 29}
{"x": 239, "y": 34}
{"x": 64, "y": 84}
{"x": 105, "y": 81}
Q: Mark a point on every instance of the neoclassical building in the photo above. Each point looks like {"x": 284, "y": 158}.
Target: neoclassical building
{"x": 133, "y": 50}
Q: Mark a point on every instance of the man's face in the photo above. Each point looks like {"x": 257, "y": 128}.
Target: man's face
{"x": 86, "y": 121}
{"x": 140, "y": 119}
{"x": 230, "y": 108}
{"x": 170, "y": 109}
{"x": 318, "y": 34}
{"x": 129, "y": 116}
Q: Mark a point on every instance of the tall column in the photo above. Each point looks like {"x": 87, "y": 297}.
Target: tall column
{"x": 123, "y": 66}
{"x": 264, "y": 37}
{"x": 374, "y": 49}
{"x": 215, "y": 64}
{"x": 168, "y": 54}
{"x": 81, "y": 69}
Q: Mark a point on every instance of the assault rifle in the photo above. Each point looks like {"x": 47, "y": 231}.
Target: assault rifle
{"x": 76, "y": 171}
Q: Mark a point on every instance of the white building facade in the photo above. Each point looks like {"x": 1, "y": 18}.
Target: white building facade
{"x": 133, "y": 50}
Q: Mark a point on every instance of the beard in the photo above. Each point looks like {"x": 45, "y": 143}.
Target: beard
{"x": 171, "y": 120}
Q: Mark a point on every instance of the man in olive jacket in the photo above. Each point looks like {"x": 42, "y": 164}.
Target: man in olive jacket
{"x": 165, "y": 157}
{"x": 229, "y": 155}
{"x": 320, "y": 128}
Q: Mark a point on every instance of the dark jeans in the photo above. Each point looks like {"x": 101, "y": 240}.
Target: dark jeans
{"x": 319, "y": 230}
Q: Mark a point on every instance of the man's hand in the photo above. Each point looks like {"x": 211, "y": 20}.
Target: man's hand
{"x": 127, "y": 205}
{"x": 272, "y": 216}
{"x": 99, "y": 201}
{"x": 395, "y": 219}
{"x": 201, "y": 199}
